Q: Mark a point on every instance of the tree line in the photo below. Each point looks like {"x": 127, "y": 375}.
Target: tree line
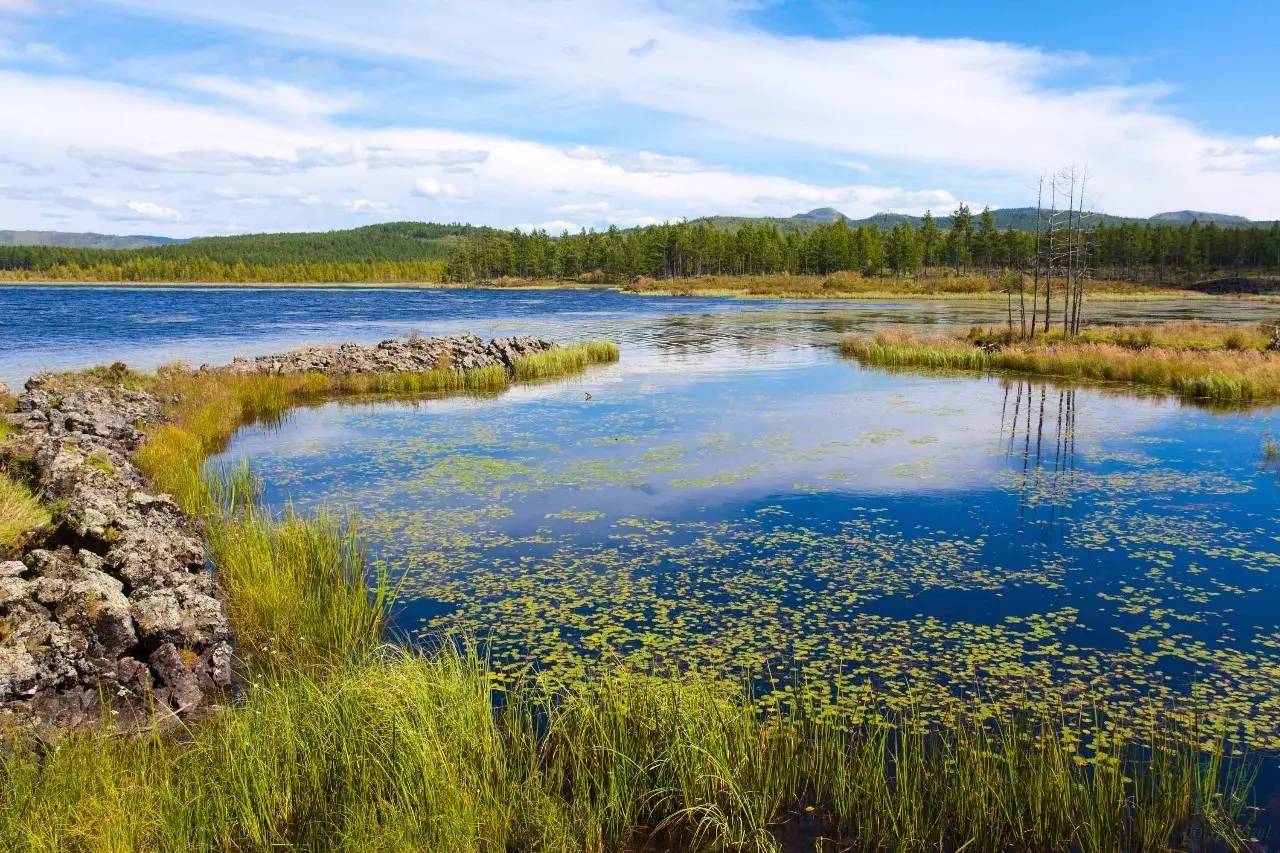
{"x": 429, "y": 252}
{"x": 1130, "y": 251}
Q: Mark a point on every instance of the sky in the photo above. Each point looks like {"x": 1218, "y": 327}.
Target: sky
{"x": 233, "y": 116}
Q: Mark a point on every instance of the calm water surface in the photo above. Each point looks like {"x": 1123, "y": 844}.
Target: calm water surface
{"x": 735, "y": 496}
{"x": 64, "y": 327}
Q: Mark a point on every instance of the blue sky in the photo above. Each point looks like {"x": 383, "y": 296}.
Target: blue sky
{"x": 248, "y": 115}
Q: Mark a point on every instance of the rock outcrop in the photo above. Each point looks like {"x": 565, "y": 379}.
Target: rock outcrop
{"x": 455, "y": 352}
{"x": 114, "y": 608}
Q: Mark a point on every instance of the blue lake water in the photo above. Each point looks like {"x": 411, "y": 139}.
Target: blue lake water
{"x": 735, "y": 496}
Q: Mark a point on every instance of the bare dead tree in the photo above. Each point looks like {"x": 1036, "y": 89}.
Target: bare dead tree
{"x": 1035, "y": 287}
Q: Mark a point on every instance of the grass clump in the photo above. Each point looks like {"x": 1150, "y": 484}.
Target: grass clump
{"x": 1270, "y": 450}
{"x": 562, "y": 361}
{"x": 20, "y": 512}
{"x": 1224, "y": 367}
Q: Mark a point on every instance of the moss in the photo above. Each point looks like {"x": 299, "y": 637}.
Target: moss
{"x": 100, "y": 461}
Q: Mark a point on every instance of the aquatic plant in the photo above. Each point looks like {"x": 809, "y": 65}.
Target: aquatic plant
{"x": 1270, "y": 450}
{"x": 1218, "y": 375}
{"x": 20, "y": 511}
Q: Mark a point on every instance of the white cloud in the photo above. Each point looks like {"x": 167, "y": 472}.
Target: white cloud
{"x": 152, "y": 211}
{"x": 997, "y": 112}
{"x": 435, "y": 188}
{"x": 19, "y": 7}
{"x": 554, "y": 226}
{"x": 365, "y": 205}
{"x": 640, "y": 161}
{"x": 1267, "y": 143}
{"x": 269, "y": 95}
{"x": 103, "y": 136}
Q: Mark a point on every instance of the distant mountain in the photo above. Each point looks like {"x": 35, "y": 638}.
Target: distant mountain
{"x": 1019, "y": 218}
{"x": 73, "y": 240}
{"x": 1200, "y": 216}
{"x": 825, "y": 215}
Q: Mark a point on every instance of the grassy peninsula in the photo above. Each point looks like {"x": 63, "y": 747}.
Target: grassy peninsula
{"x": 342, "y": 742}
{"x": 1211, "y": 362}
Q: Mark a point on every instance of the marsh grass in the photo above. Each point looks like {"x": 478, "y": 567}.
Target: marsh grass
{"x": 936, "y": 283}
{"x": 340, "y": 743}
{"x": 1223, "y": 369}
{"x": 408, "y": 752}
{"x": 20, "y": 512}
{"x": 562, "y": 361}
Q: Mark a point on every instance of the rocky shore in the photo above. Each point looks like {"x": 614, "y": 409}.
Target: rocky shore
{"x": 113, "y": 606}
{"x": 457, "y": 352}
{"x": 113, "y": 610}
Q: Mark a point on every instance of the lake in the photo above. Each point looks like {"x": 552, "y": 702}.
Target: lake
{"x": 736, "y": 497}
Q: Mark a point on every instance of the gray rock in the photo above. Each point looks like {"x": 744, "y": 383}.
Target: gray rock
{"x": 179, "y": 687}
{"x": 133, "y": 613}
{"x": 455, "y": 352}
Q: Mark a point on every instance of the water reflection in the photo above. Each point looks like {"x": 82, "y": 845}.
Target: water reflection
{"x": 730, "y": 501}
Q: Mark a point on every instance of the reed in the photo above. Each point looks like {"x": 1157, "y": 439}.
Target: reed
{"x": 1221, "y": 374}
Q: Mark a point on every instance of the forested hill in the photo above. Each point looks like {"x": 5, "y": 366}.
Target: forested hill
{"x": 392, "y": 251}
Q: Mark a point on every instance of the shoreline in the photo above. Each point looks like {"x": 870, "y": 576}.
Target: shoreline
{"x": 744, "y": 293}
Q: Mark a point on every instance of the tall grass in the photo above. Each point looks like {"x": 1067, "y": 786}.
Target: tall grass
{"x": 20, "y": 512}
{"x": 405, "y": 752}
{"x": 563, "y": 360}
{"x": 1219, "y": 375}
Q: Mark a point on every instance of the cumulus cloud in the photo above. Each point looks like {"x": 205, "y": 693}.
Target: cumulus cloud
{"x": 436, "y": 188}
{"x": 220, "y": 166}
{"x": 151, "y": 211}
{"x": 365, "y": 205}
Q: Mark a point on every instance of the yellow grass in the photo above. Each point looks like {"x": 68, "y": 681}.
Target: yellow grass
{"x": 1217, "y": 364}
